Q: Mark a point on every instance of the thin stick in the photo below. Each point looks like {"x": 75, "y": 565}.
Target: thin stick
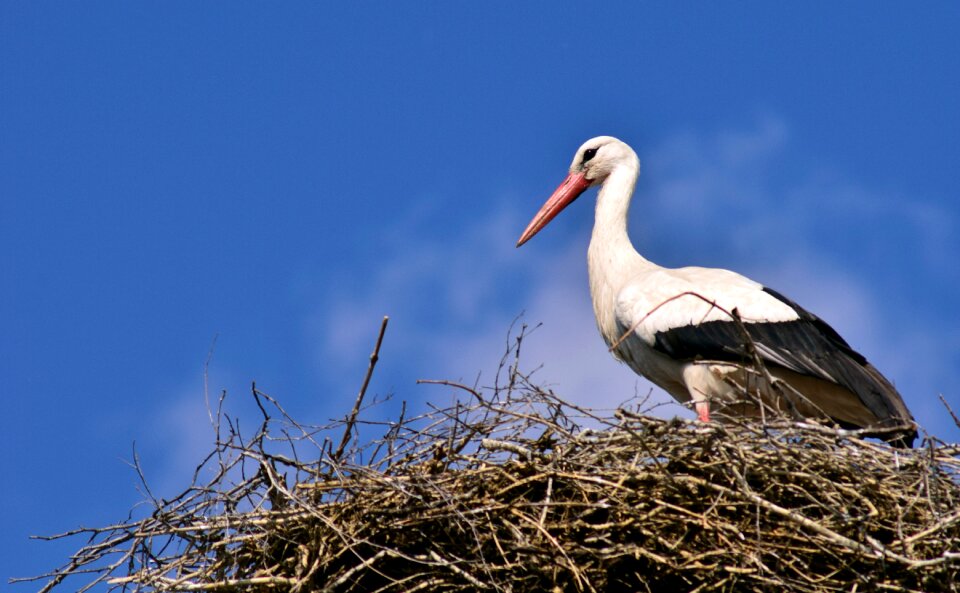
{"x": 352, "y": 419}
{"x": 949, "y": 409}
{"x": 206, "y": 377}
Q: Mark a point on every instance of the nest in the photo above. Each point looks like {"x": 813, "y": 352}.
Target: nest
{"x": 511, "y": 489}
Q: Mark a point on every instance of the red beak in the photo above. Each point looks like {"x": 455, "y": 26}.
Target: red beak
{"x": 574, "y": 185}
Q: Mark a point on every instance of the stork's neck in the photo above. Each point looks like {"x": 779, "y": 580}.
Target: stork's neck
{"x": 611, "y": 259}
{"x": 613, "y": 205}
{"x": 611, "y": 252}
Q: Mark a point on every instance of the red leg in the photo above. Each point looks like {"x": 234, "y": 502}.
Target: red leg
{"x": 703, "y": 411}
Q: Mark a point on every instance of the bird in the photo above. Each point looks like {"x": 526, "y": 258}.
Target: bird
{"x": 711, "y": 337}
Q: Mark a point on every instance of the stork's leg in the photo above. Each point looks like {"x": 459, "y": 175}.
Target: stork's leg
{"x": 700, "y": 381}
{"x": 703, "y": 410}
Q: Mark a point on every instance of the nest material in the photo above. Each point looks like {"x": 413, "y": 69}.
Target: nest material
{"x": 506, "y": 491}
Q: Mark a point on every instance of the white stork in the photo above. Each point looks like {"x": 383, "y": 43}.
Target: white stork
{"x": 699, "y": 333}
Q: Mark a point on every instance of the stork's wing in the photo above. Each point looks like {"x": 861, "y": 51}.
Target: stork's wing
{"x": 807, "y": 346}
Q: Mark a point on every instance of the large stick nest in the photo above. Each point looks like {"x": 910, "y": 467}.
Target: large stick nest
{"x": 508, "y": 490}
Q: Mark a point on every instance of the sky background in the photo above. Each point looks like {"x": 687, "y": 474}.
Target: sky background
{"x": 281, "y": 176}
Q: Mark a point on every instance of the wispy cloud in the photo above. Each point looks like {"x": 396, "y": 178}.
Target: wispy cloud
{"x": 180, "y": 438}
{"x": 182, "y": 432}
{"x": 715, "y": 200}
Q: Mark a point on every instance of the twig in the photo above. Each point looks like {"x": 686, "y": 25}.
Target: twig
{"x": 950, "y": 410}
{"x": 206, "y": 377}
{"x": 352, "y": 419}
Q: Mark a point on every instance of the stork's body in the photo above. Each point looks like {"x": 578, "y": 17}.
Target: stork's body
{"x": 696, "y": 332}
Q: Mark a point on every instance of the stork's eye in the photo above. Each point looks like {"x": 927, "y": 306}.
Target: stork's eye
{"x": 589, "y": 154}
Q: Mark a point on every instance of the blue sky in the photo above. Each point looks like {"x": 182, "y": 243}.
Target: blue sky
{"x": 283, "y": 176}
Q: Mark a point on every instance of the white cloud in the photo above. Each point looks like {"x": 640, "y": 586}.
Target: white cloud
{"x": 181, "y": 437}
{"x": 181, "y": 433}
{"x": 463, "y": 334}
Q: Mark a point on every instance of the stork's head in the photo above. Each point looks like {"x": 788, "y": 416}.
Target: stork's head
{"x": 593, "y": 163}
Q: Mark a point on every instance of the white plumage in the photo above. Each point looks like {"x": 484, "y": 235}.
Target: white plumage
{"x": 696, "y": 331}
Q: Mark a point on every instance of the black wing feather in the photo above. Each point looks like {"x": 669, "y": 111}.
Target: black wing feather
{"x": 807, "y": 345}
